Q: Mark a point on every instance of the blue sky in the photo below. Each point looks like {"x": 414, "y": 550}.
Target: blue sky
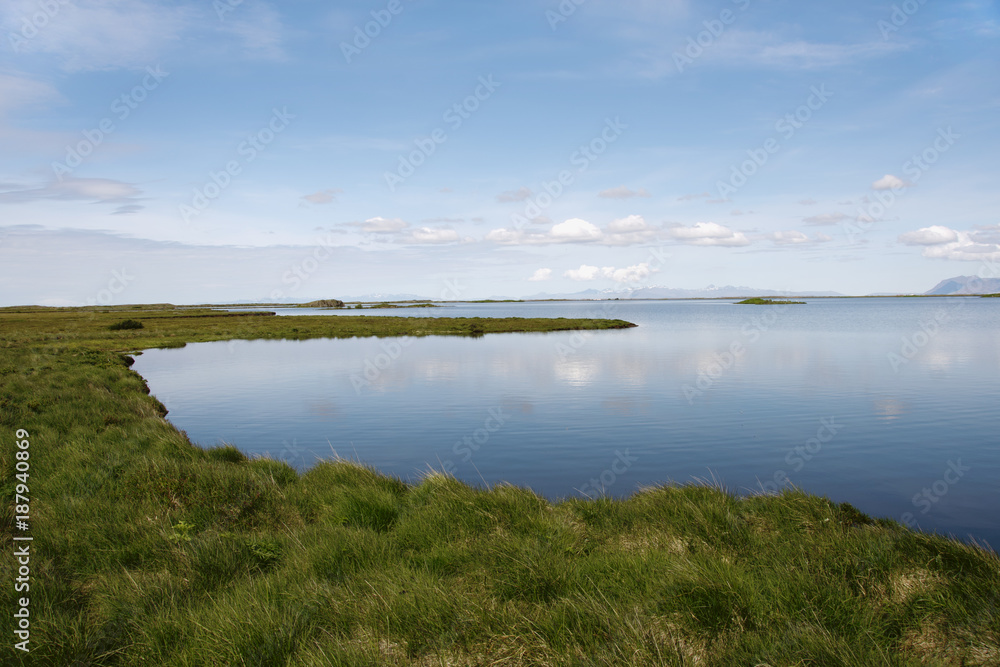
{"x": 214, "y": 151}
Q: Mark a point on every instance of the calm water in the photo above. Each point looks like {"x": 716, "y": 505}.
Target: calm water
{"x": 890, "y": 404}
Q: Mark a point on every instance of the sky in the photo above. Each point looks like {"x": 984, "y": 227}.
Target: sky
{"x": 215, "y": 151}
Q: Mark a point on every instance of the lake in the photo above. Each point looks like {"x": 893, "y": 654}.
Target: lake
{"x": 889, "y": 404}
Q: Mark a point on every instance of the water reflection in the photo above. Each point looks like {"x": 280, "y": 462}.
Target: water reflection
{"x": 570, "y": 401}
{"x": 889, "y": 409}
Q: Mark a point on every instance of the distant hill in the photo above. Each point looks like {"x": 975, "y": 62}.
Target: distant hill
{"x": 965, "y": 285}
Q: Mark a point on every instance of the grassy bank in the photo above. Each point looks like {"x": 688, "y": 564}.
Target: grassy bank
{"x": 165, "y": 326}
{"x": 149, "y": 550}
{"x": 758, "y": 301}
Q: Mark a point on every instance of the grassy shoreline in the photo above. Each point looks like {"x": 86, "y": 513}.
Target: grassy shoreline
{"x": 149, "y": 550}
{"x": 758, "y": 301}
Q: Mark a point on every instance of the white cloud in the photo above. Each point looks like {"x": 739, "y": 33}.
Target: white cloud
{"x": 96, "y": 34}
{"x": 623, "y": 231}
{"x": 795, "y": 237}
{"x": 633, "y": 223}
{"x": 583, "y": 273}
{"x": 890, "y": 182}
{"x": 258, "y": 27}
{"x": 708, "y": 234}
{"x": 127, "y": 209}
{"x": 945, "y": 243}
{"x": 381, "y": 225}
{"x": 628, "y": 274}
{"x": 427, "y": 235}
{"x": 575, "y": 229}
{"x": 761, "y": 49}
{"x": 85, "y": 35}
{"x": 19, "y": 96}
{"x": 769, "y": 49}
{"x": 73, "y": 189}
{"x": 540, "y": 275}
{"x": 811, "y": 55}
{"x": 629, "y": 231}
{"x": 394, "y": 229}
{"x": 622, "y": 192}
{"x": 789, "y": 238}
{"x": 514, "y": 195}
{"x": 99, "y": 189}
{"x": 323, "y": 196}
{"x": 933, "y": 235}
{"x": 825, "y": 218}
{"x": 16, "y": 91}
{"x": 986, "y": 234}
{"x": 506, "y": 236}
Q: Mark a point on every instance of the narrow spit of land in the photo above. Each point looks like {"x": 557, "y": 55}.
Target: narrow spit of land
{"x": 758, "y": 301}
{"x": 149, "y": 550}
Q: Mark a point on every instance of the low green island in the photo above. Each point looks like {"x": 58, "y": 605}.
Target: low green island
{"x": 758, "y": 301}
{"x": 149, "y": 550}
{"x": 336, "y": 303}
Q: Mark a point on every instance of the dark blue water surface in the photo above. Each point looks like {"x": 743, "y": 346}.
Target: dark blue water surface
{"x": 889, "y": 404}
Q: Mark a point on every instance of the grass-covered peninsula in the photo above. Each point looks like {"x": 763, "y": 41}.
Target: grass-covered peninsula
{"x": 149, "y": 550}
{"x": 759, "y": 301}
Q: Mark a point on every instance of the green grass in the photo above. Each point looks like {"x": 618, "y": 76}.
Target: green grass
{"x": 149, "y": 550}
{"x": 758, "y": 301}
{"x": 125, "y": 324}
{"x": 323, "y": 303}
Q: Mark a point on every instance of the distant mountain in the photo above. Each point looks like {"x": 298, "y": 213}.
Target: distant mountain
{"x": 661, "y": 292}
{"x": 965, "y": 285}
